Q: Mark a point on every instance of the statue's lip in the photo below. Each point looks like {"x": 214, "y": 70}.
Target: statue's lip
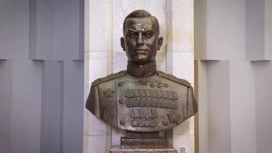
{"x": 141, "y": 51}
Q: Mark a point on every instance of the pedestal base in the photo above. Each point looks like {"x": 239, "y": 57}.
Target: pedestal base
{"x": 143, "y": 143}
{"x": 143, "y": 151}
{"x": 137, "y": 140}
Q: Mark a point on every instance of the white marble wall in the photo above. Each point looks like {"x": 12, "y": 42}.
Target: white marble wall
{"x": 104, "y": 55}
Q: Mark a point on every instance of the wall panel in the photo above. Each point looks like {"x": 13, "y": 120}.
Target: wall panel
{"x": 238, "y": 84}
{"x": 35, "y": 42}
{"x": 52, "y": 102}
{"x": 69, "y": 29}
{"x": 219, "y": 107}
{"x": 26, "y": 106}
{"x": 41, "y": 26}
{"x": 263, "y": 84}
{"x": 14, "y": 29}
{"x": 242, "y": 107}
{"x": 72, "y": 136}
{"x": 220, "y": 29}
{"x": 255, "y": 20}
{"x": 5, "y": 104}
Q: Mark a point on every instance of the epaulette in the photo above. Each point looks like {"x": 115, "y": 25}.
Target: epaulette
{"x": 173, "y": 78}
{"x": 109, "y": 77}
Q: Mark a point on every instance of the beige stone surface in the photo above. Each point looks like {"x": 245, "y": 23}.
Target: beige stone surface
{"x": 99, "y": 25}
{"x": 185, "y": 141}
{"x": 99, "y": 144}
{"x": 182, "y": 37}
{"x": 116, "y": 135}
{"x": 183, "y": 66}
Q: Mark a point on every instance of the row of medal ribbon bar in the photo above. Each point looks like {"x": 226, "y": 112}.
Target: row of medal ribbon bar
{"x": 150, "y": 102}
{"x": 165, "y": 94}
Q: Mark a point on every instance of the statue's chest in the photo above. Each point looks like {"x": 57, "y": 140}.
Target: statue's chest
{"x": 148, "y": 105}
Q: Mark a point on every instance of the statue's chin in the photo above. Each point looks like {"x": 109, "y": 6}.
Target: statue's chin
{"x": 139, "y": 60}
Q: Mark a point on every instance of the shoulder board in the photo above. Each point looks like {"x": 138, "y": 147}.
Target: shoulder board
{"x": 173, "y": 78}
{"x": 109, "y": 77}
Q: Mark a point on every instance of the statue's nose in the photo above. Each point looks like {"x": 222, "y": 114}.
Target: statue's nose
{"x": 140, "y": 39}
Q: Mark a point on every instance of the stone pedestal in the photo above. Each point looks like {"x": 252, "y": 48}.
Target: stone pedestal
{"x": 137, "y": 140}
{"x": 143, "y": 143}
{"x": 143, "y": 151}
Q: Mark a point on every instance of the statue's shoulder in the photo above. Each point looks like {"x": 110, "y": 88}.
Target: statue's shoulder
{"x": 174, "y": 79}
{"x": 109, "y": 77}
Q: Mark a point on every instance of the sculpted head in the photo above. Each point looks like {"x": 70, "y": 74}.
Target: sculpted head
{"x": 141, "y": 37}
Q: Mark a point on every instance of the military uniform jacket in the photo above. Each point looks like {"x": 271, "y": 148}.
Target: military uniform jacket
{"x": 158, "y": 102}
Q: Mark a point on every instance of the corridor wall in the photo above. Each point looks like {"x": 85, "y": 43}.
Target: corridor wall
{"x": 41, "y": 76}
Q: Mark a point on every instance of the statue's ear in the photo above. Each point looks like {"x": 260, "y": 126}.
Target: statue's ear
{"x": 122, "y": 43}
{"x": 160, "y": 40}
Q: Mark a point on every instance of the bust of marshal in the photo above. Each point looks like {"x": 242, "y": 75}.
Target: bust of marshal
{"x": 141, "y": 99}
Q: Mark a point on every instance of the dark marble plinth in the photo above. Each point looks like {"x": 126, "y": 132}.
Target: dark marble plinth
{"x": 143, "y": 151}
{"x": 143, "y": 143}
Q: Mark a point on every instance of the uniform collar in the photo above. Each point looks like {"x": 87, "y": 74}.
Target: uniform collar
{"x": 143, "y": 70}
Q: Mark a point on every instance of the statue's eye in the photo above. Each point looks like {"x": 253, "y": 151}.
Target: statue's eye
{"x": 148, "y": 34}
{"x": 132, "y": 35}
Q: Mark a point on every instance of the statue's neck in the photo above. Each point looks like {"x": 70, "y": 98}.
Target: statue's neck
{"x": 142, "y": 70}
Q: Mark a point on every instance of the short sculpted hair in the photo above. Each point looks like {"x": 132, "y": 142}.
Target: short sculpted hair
{"x": 141, "y": 14}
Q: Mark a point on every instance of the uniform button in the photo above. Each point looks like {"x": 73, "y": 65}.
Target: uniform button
{"x": 120, "y": 84}
{"x": 147, "y": 123}
{"x": 153, "y": 124}
{"x": 165, "y": 123}
{"x": 122, "y": 122}
{"x": 134, "y": 123}
{"x": 121, "y": 101}
{"x": 141, "y": 123}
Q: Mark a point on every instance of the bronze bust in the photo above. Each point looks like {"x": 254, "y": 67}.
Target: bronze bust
{"x": 141, "y": 99}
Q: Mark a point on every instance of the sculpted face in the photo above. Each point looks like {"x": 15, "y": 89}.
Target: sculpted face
{"x": 141, "y": 39}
